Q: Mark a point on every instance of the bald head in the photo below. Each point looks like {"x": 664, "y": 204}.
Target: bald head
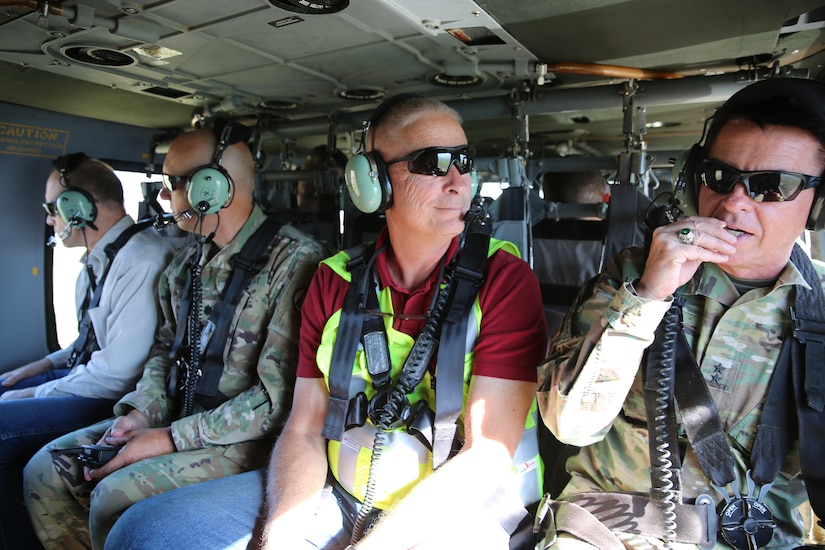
{"x": 194, "y": 150}
{"x": 197, "y": 148}
{"x": 390, "y": 122}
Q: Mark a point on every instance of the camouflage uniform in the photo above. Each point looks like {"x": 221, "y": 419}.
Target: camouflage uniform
{"x": 736, "y": 340}
{"x": 258, "y": 376}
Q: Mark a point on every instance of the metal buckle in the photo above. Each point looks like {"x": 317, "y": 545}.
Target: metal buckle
{"x": 746, "y": 522}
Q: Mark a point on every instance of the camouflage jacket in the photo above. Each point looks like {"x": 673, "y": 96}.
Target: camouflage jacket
{"x": 261, "y": 352}
{"x": 594, "y": 395}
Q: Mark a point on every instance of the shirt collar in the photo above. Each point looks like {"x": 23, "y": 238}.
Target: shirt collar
{"x": 221, "y": 258}
{"x": 710, "y": 281}
{"x": 97, "y": 258}
{"x": 382, "y": 243}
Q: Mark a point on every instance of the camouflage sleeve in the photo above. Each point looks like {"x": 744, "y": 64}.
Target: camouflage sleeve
{"x": 260, "y": 410}
{"x": 595, "y": 356}
{"x": 149, "y": 396}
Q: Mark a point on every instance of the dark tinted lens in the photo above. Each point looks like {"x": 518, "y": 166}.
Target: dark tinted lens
{"x": 775, "y": 186}
{"x": 436, "y": 161}
{"x": 171, "y": 182}
{"x": 718, "y": 177}
{"x": 762, "y": 186}
{"x": 50, "y": 208}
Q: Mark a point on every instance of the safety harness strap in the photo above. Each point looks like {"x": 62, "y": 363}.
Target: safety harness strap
{"x": 346, "y": 344}
{"x": 86, "y": 342}
{"x": 467, "y": 274}
{"x": 808, "y": 378}
{"x": 659, "y": 381}
{"x": 592, "y": 516}
{"x": 795, "y": 367}
{"x": 449, "y": 397}
{"x": 245, "y": 264}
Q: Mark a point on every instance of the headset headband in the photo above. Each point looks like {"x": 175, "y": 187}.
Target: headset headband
{"x": 66, "y": 164}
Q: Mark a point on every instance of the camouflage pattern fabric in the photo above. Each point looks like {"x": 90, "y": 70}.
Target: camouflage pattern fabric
{"x": 736, "y": 339}
{"x": 260, "y": 360}
{"x": 75, "y": 514}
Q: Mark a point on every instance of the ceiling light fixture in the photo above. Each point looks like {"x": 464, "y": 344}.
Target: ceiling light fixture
{"x": 277, "y": 105}
{"x": 362, "y": 94}
{"x": 316, "y": 7}
{"x": 98, "y": 56}
{"x": 456, "y": 81}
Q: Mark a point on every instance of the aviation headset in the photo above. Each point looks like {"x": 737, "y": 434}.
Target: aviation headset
{"x": 75, "y": 206}
{"x": 366, "y": 172}
{"x": 209, "y": 188}
{"x": 802, "y": 95}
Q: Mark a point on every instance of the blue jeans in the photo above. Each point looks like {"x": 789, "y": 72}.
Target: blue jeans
{"x": 219, "y": 515}
{"x": 25, "y": 426}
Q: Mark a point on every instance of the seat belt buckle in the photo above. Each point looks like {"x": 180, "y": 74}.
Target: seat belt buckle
{"x": 711, "y": 520}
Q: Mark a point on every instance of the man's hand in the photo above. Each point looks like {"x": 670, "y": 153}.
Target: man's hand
{"x": 34, "y": 368}
{"x": 672, "y": 263}
{"x": 139, "y": 441}
{"x": 142, "y": 443}
{"x": 123, "y": 428}
{"x": 17, "y": 394}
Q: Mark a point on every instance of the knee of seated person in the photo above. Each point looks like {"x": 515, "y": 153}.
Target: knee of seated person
{"x": 44, "y": 468}
{"x": 136, "y": 527}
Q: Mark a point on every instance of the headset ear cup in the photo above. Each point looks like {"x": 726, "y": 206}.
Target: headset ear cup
{"x": 367, "y": 182}
{"x": 686, "y": 191}
{"x": 209, "y": 189}
{"x": 76, "y": 205}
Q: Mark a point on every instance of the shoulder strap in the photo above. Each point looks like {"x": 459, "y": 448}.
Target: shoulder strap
{"x": 808, "y": 378}
{"x": 346, "y": 343}
{"x": 245, "y": 265}
{"x": 467, "y": 278}
{"x": 86, "y": 341}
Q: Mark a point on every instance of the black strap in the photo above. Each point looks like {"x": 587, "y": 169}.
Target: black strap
{"x": 346, "y": 343}
{"x": 809, "y": 331}
{"x": 467, "y": 275}
{"x": 659, "y": 381}
{"x": 449, "y": 397}
{"x": 701, "y": 420}
{"x": 86, "y": 342}
{"x": 622, "y": 216}
{"x": 772, "y": 443}
{"x": 245, "y": 264}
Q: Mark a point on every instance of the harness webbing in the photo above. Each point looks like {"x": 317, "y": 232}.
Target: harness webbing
{"x": 808, "y": 379}
{"x": 467, "y": 277}
{"x": 802, "y": 380}
{"x": 346, "y": 344}
{"x": 467, "y": 273}
{"x": 245, "y": 265}
{"x": 86, "y": 342}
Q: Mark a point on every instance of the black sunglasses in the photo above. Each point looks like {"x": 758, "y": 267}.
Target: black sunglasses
{"x": 170, "y": 183}
{"x": 50, "y": 208}
{"x": 437, "y": 161}
{"x": 761, "y": 185}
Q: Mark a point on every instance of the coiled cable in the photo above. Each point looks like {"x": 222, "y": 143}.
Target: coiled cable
{"x": 190, "y": 380}
{"x": 663, "y": 465}
{"x": 378, "y": 445}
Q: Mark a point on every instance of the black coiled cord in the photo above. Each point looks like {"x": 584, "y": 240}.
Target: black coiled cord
{"x": 389, "y": 416}
{"x": 664, "y": 400}
{"x": 190, "y": 380}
